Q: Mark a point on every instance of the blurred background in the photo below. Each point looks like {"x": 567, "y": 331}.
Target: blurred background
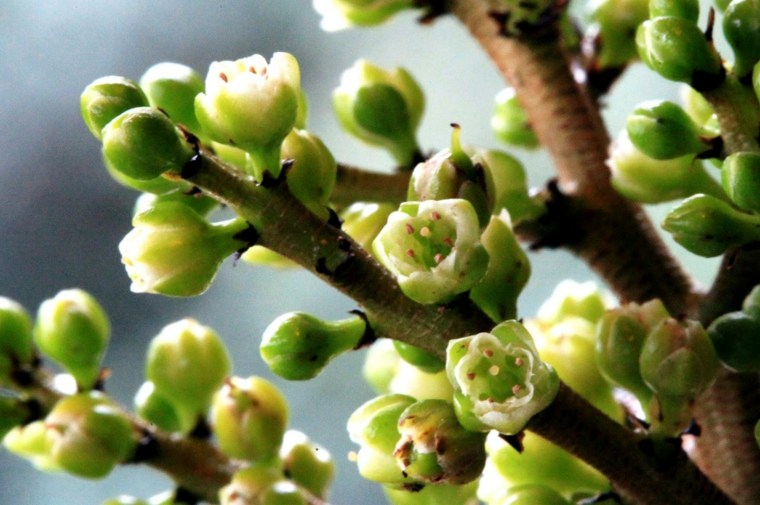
{"x": 61, "y": 216}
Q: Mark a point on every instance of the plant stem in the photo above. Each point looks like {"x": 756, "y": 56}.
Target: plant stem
{"x": 738, "y": 114}
{"x": 358, "y": 185}
{"x": 616, "y": 238}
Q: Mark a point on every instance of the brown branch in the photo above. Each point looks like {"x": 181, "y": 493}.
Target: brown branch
{"x": 357, "y": 185}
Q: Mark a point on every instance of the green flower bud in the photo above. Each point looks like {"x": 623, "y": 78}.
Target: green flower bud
{"x": 499, "y": 380}
{"x": 735, "y": 337}
{"x": 89, "y": 435}
{"x": 708, "y": 227}
{"x": 159, "y": 410}
{"x": 73, "y": 330}
{"x": 433, "y": 249}
{"x": 698, "y": 108}
{"x": 751, "y": 304}
{"x": 638, "y": 177}
{"x": 174, "y": 251}
{"x": 307, "y": 464}
{"x": 616, "y": 22}
{"x": 106, "y": 98}
{"x": 15, "y": 338}
{"x": 381, "y": 107}
{"x": 662, "y": 130}
{"x": 540, "y": 462}
{"x": 740, "y": 176}
{"x": 249, "y": 418}
{"x": 677, "y": 359}
{"x": 374, "y": 426}
{"x": 534, "y": 494}
{"x": 312, "y": 175}
{"x": 342, "y": 14}
{"x": 364, "y": 220}
{"x": 572, "y": 299}
{"x": 253, "y": 105}
{"x": 507, "y": 274}
{"x": 387, "y": 372}
{"x": 433, "y": 495}
{"x": 509, "y": 185}
{"x": 143, "y": 143}
{"x": 435, "y": 448}
{"x": 32, "y": 443}
{"x": 509, "y": 121}
{"x": 187, "y": 363}
{"x": 297, "y": 346}
{"x": 619, "y": 339}
{"x": 199, "y": 202}
{"x": 741, "y": 27}
{"x": 260, "y": 485}
{"x": 677, "y": 49}
{"x": 686, "y": 9}
{"x": 421, "y": 359}
{"x": 260, "y": 255}
{"x": 172, "y": 87}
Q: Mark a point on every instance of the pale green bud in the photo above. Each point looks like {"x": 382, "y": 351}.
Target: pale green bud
{"x": 574, "y": 299}
{"x": 160, "y": 411}
{"x": 312, "y": 175}
{"x": 172, "y": 87}
{"x": 499, "y": 380}
{"x": 509, "y": 121}
{"x": 260, "y": 485}
{"x": 342, "y": 14}
{"x": 421, "y": 359}
{"x": 741, "y": 27}
{"x": 662, "y": 130}
{"x": 199, "y": 202}
{"x": 381, "y": 107}
{"x": 740, "y": 176}
{"x": 106, "y": 98}
{"x": 187, "y": 363}
{"x": 16, "y": 347}
{"x": 249, "y": 418}
{"x": 433, "y": 248}
{"x": 174, "y": 251}
{"x": 31, "y": 442}
{"x": 253, "y": 105}
{"x": 616, "y": 22}
{"x": 306, "y": 463}
{"x": 364, "y": 220}
{"x": 73, "y": 330}
{"x": 438, "y": 494}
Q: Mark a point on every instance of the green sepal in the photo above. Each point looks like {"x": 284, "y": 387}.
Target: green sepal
{"x": 662, "y": 130}
{"x": 172, "y": 87}
{"x": 740, "y": 176}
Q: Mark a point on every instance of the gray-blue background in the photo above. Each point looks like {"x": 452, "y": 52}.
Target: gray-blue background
{"x": 61, "y": 217}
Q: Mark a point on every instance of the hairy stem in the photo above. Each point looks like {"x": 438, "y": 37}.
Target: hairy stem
{"x": 357, "y": 185}
{"x": 738, "y": 114}
{"x": 616, "y": 238}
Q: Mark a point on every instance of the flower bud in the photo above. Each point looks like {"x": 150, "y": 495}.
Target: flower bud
{"x": 174, "y": 251}
{"x": 678, "y": 50}
{"x": 741, "y": 27}
{"x": 374, "y": 426}
{"x": 507, "y": 274}
{"x": 435, "y": 448}
{"x": 249, "y": 418}
{"x": 381, "y": 107}
{"x": 73, "y": 330}
{"x": 172, "y": 87}
{"x": 364, "y": 220}
{"x": 433, "y": 249}
{"x": 143, "y": 143}
{"x": 312, "y": 175}
{"x": 199, "y": 202}
{"x": 534, "y": 494}
{"x": 686, "y": 9}
{"x": 619, "y": 339}
{"x": 341, "y": 14}
{"x": 509, "y": 121}
{"x": 297, "y": 346}
{"x": 106, "y": 98}
{"x": 31, "y": 442}
{"x": 698, "y": 108}
{"x": 708, "y": 226}
{"x": 499, "y": 380}
{"x": 158, "y": 185}
{"x": 677, "y": 359}
{"x": 740, "y": 176}
{"x": 638, "y": 177}
{"x": 663, "y": 131}
{"x": 574, "y": 299}
{"x": 735, "y": 338}
{"x": 253, "y": 105}
{"x": 187, "y": 363}
{"x": 159, "y": 410}
{"x": 464, "y": 494}
{"x": 260, "y": 485}
{"x": 307, "y": 464}
{"x": 423, "y": 360}
{"x": 616, "y": 22}
{"x": 89, "y": 435}
{"x": 15, "y": 338}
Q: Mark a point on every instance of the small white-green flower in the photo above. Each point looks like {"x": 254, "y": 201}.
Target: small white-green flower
{"x": 499, "y": 380}
{"x": 342, "y": 14}
{"x": 433, "y": 248}
{"x": 251, "y": 104}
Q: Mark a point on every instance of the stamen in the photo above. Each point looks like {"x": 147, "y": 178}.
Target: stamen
{"x": 494, "y": 370}
{"x": 223, "y": 77}
{"x": 519, "y": 361}
{"x": 425, "y": 231}
{"x": 438, "y": 258}
{"x": 409, "y": 228}
{"x": 516, "y": 389}
{"x": 410, "y": 253}
{"x": 435, "y": 215}
{"x": 488, "y": 352}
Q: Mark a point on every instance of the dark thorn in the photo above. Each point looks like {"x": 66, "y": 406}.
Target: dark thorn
{"x": 192, "y": 167}
{"x": 710, "y": 25}
{"x": 270, "y": 182}
{"x": 694, "y": 429}
{"x": 515, "y": 441}
{"x": 183, "y": 496}
{"x": 147, "y": 448}
{"x": 334, "y": 219}
{"x": 368, "y": 337}
{"x": 249, "y": 237}
{"x": 706, "y": 81}
{"x": 35, "y": 412}
{"x": 321, "y": 267}
{"x": 201, "y": 430}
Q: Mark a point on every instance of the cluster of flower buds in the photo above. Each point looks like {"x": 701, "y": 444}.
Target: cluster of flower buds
{"x": 664, "y": 362}
{"x": 613, "y": 24}
{"x": 734, "y": 335}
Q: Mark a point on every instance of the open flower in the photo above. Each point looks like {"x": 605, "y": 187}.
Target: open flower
{"x": 433, "y": 248}
{"x": 251, "y": 104}
{"x": 499, "y": 380}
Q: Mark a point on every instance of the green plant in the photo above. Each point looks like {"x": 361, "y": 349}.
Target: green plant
{"x": 444, "y": 272}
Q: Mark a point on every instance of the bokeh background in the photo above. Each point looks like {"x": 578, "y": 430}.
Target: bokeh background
{"x": 61, "y": 217}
